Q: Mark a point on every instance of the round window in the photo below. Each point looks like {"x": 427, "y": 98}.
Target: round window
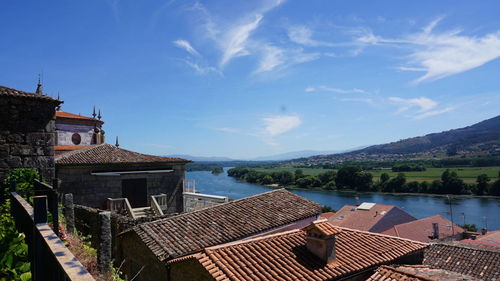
{"x": 76, "y": 138}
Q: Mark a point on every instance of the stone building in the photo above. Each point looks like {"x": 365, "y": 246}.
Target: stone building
{"x": 27, "y": 131}
{"x": 98, "y": 172}
{"x": 76, "y": 131}
{"x": 153, "y": 245}
{"x": 318, "y": 251}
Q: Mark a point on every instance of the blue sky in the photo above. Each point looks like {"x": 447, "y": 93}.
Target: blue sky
{"x": 253, "y": 78}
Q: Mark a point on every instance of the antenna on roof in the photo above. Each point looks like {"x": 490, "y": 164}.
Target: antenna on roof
{"x": 117, "y": 144}
{"x": 39, "y": 87}
{"x": 93, "y": 113}
{"x": 99, "y": 115}
{"x": 58, "y": 108}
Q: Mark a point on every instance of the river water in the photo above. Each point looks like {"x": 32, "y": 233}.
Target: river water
{"x": 480, "y": 211}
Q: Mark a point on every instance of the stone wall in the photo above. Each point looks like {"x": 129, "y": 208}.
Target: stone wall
{"x": 93, "y": 191}
{"x": 27, "y": 135}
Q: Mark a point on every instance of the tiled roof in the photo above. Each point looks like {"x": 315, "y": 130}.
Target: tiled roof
{"x": 193, "y": 231}
{"x": 107, "y": 154}
{"x": 62, "y": 114}
{"x": 421, "y": 229}
{"x": 6, "y": 91}
{"x": 483, "y": 264}
{"x": 378, "y": 218}
{"x": 491, "y": 238}
{"x": 284, "y": 256}
{"x": 388, "y": 273}
{"x": 424, "y": 271}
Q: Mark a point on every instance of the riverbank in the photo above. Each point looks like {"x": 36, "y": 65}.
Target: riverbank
{"x": 479, "y": 210}
{"x": 275, "y": 186}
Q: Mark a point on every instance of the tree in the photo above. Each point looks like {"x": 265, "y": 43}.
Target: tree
{"x": 384, "y": 177}
{"x": 469, "y": 227}
{"x": 397, "y": 184}
{"x": 346, "y": 177}
{"x": 299, "y": 174}
{"x": 326, "y": 209}
{"x": 482, "y": 184}
{"x": 495, "y": 188}
{"x": 327, "y": 177}
{"x": 267, "y": 179}
{"x": 451, "y": 183}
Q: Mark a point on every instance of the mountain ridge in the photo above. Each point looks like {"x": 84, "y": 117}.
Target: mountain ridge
{"x": 478, "y": 140}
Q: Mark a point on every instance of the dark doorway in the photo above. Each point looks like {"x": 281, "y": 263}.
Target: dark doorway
{"x": 136, "y": 191}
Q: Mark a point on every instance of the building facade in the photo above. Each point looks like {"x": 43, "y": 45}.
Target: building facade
{"x": 98, "y": 172}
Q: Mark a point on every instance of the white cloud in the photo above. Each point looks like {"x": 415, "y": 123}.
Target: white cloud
{"x": 202, "y": 69}
{"x": 424, "y": 107}
{"x": 423, "y": 104}
{"x": 442, "y": 54}
{"x": 301, "y": 34}
{"x": 271, "y": 58}
{"x": 277, "y": 125}
{"x": 433, "y": 113}
{"x": 184, "y": 44}
{"x": 336, "y": 90}
{"x": 234, "y": 42}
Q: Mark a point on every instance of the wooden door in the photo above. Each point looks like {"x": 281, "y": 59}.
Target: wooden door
{"x": 136, "y": 191}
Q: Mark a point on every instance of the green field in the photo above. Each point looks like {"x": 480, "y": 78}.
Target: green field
{"x": 468, "y": 174}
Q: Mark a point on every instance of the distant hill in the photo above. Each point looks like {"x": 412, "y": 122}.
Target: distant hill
{"x": 478, "y": 140}
{"x": 299, "y": 154}
{"x": 202, "y": 158}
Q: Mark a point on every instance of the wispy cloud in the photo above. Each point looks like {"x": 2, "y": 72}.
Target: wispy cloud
{"x": 419, "y": 108}
{"x": 277, "y": 58}
{"x": 433, "y": 112}
{"x": 278, "y": 125}
{"x": 335, "y": 90}
{"x": 200, "y": 69}
{"x": 234, "y": 42}
{"x": 228, "y": 130}
{"x": 271, "y": 58}
{"x": 423, "y": 104}
{"x": 302, "y": 35}
{"x": 441, "y": 54}
{"x": 184, "y": 44}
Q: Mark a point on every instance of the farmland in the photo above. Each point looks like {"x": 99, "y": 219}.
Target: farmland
{"x": 467, "y": 174}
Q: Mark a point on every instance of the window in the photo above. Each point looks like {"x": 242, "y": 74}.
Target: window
{"x": 76, "y": 139}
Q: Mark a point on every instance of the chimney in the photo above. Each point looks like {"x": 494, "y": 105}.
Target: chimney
{"x": 435, "y": 230}
{"x": 321, "y": 237}
{"x": 484, "y": 231}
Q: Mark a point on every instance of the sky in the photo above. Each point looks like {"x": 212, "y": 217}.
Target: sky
{"x": 244, "y": 79}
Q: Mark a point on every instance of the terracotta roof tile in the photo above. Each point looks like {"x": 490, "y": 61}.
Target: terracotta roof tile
{"x": 6, "y": 91}
{"x": 421, "y": 230}
{"x": 322, "y": 226}
{"x": 378, "y": 218}
{"x": 388, "y": 273}
{"x": 62, "y": 114}
{"x": 193, "y": 231}
{"x": 68, "y": 147}
{"x": 427, "y": 273}
{"x": 107, "y": 154}
{"x": 483, "y": 264}
{"x": 284, "y": 256}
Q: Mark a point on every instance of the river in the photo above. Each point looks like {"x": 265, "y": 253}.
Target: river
{"x": 478, "y": 211}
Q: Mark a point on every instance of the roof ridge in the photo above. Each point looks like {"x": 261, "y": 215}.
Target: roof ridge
{"x": 71, "y": 153}
{"x": 250, "y": 240}
{"x": 464, "y": 246}
{"x": 383, "y": 235}
{"x": 222, "y": 205}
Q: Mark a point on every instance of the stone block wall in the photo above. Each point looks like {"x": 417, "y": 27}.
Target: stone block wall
{"x": 93, "y": 191}
{"x": 27, "y": 135}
